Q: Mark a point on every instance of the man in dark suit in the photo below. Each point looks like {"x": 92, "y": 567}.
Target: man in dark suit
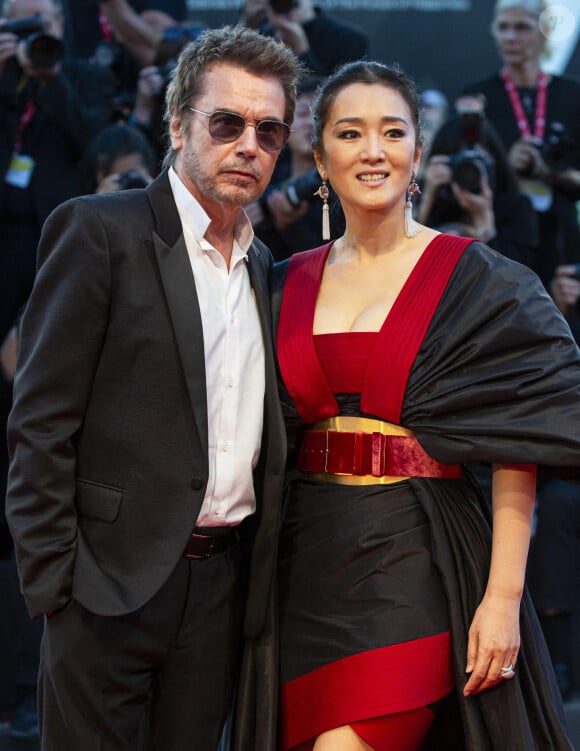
{"x": 146, "y": 427}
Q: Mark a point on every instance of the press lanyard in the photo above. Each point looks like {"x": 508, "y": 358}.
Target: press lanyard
{"x": 105, "y": 27}
{"x": 518, "y": 110}
{"x": 25, "y": 119}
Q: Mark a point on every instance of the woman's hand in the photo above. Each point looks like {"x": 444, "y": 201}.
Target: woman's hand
{"x": 494, "y": 642}
{"x": 480, "y": 207}
{"x": 494, "y": 634}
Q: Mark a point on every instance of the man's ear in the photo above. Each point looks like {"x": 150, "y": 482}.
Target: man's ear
{"x": 176, "y": 126}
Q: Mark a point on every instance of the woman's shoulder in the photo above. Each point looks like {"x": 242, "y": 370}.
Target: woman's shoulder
{"x": 483, "y": 268}
{"x": 306, "y": 258}
{"x": 479, "y": 265}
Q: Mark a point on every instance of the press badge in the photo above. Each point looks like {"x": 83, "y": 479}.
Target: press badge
{"x": 540, "y": 195}
{"x": 19, "y": 171}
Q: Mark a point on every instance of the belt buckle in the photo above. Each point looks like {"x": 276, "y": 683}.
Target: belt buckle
{"x": 347, "y": 455}
{"x": 208, "y": 552}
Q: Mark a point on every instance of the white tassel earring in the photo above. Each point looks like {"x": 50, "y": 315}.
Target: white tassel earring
{"x": 323, "y": 192}
{"x": 412, "y": 229}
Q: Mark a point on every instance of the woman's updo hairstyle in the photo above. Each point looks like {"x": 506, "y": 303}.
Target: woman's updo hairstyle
{"x": 369, "y": 72}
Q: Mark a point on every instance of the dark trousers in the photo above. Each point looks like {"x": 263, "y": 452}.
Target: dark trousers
{"x": 161, "y": 678}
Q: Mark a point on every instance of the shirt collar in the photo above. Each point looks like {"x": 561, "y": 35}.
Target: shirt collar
{"x": 195, "y": 217}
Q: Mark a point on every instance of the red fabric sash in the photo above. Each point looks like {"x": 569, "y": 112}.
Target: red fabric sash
{"x": 396, "y": 345}
{"x": 297, "y": 358}
{"x": 396, "y": 678}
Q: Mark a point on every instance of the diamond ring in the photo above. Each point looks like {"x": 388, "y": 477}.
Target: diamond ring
{"x": 508, "y": 671}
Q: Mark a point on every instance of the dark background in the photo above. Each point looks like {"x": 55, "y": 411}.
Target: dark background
{"x": 443, "y": 44}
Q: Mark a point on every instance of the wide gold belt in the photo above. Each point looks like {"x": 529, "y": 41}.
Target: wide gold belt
{"x": 366, "y": 451}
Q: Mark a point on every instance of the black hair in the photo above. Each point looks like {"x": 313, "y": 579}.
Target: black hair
{"x": 370, "y": 72}
{"x": 111, "y": 143}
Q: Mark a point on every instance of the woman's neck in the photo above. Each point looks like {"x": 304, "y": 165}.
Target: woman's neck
{"x": 368, "y": 239}
{"x": 526, "y": 74}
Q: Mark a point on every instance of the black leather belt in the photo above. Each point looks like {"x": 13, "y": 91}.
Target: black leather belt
{"x": 201, "y": 547}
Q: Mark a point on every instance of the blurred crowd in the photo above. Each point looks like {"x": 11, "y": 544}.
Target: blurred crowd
{"x": 82, "y": 111}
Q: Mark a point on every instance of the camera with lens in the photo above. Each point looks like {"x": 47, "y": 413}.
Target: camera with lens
{"x": 131, "y": 179}
{"x": 469, "y": 167}
{"x": 302, "y": 188}
{"x": 557, "y": 143}
{"x": 43, "y": 50}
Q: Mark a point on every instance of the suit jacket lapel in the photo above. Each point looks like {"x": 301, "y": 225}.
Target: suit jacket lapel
{"x": 259, "y": 284}
{"x": 274, "y": 436}
{"x": 180, "y": 293}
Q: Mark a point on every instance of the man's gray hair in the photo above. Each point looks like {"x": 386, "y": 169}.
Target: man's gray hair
{"x": 240, "y": 47}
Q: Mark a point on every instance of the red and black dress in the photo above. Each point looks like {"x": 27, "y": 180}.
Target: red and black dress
{"x": 378, "y": 583}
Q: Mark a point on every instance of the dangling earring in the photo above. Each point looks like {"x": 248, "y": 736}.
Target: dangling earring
{"x": 323, "y": 192}
{"x": 412, "y": 229}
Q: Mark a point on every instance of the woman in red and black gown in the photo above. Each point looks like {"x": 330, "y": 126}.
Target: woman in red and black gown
{"x": 403, "y": 354}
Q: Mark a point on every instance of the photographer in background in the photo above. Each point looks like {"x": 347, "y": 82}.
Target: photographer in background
{"x": 538, "y": 119}
{"x": 470, "y": 189}
{"x": 50, "y": 108}
{"x": 119, "y": 158}
{"x": 95, "y": 28}
{"x": 120, "y": 36}
{"x": 321, "y": 42}
{"x": 148, "y": 109}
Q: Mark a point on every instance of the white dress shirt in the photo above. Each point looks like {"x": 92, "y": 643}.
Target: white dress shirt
{"x": 234, "y": 362}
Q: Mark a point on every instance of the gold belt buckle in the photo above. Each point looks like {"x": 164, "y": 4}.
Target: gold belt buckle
{"x": 352, "y": 424}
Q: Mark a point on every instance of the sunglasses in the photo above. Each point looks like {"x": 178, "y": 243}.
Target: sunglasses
{"x": 271, "y": 135}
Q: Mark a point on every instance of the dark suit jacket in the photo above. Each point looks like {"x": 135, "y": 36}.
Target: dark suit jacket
{"x": 108, "y": 433}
